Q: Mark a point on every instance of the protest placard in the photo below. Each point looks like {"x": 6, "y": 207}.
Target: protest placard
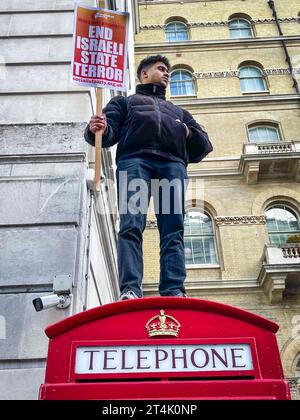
{"x": 100, "y": 47}
{"x": 99, "y": 58}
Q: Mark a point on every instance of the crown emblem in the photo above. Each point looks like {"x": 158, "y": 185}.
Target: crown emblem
{"x": 162, "y": 324}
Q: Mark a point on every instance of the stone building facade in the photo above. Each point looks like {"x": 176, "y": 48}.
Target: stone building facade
{"x": 236, "y": 68}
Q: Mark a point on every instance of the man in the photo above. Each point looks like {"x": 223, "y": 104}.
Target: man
{"x": 156, "y": 141}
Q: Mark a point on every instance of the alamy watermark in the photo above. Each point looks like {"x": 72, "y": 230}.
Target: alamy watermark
{"x": 169, "y": 196}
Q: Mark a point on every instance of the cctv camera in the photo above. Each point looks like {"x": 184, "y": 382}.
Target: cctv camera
{"x": 45, "y": 302}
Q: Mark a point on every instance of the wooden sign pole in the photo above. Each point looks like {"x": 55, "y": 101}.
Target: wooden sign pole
{"x": 98, "y": 143}
{"x": 98, "y": 136}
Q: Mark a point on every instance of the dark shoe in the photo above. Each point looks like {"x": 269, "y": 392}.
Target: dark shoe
{"x": 128, "y": 295}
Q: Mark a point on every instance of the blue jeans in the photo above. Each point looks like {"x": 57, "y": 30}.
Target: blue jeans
{"x": 137, "y": 180}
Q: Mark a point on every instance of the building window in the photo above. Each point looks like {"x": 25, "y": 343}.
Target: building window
{"x": 252, "y": 79}
{"x": 240, "y": 28}
{"x": 181, "y": 83}
{"x": 263, "y": 134}
{"x": 199, "y": 238}
{"x": 176, "y": 31}
{"x": 282, "y": 224}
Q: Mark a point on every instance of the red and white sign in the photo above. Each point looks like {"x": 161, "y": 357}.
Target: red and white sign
{"x": 100, "y": 47}
{"x": 164, "y": 358}
{"x": 163, "y": 348}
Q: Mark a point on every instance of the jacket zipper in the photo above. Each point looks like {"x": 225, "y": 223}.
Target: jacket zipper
{"x": 158, "y": 112}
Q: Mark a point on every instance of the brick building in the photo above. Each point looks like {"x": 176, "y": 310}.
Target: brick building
{"x": 235, "y": 67}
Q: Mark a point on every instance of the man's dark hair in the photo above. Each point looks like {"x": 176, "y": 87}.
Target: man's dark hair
{"x": 148, "y": 62}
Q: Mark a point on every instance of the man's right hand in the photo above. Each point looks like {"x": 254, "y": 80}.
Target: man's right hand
{"x": 97, "y": 123}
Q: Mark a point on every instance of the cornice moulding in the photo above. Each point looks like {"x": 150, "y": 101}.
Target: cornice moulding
{"x": 218, "y": 43}
{"x": 221, "y": 23}
{"x": 235, "y": 73}
{"x": 215, "y": 286}
{"x": 224, "y": 221}
{"x": 240, "y": 220}
{"x": 251, "y": 100}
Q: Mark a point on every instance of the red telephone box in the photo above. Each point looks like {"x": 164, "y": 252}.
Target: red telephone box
{"x": 164, "y": 348}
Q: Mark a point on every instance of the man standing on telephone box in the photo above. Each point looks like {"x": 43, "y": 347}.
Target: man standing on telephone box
{"x": 156, "y": 141}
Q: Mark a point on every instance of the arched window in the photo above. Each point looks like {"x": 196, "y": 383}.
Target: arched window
{"x": 263, "y": 133}
{"x": 282, "y": 223}
{"x": 181, "y": 83}
{"x": 240, "y": 28}
{"x": 252, "y": 79}
{"x": 199, "y": 238}
{"x": 176, "y": 31}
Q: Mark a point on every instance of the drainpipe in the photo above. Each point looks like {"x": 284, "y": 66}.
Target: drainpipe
{"x": 288, "y": 59}
{"x": 88, "y": 253}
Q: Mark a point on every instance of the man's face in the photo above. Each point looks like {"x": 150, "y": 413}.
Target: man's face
{"x": 158, "y": 74}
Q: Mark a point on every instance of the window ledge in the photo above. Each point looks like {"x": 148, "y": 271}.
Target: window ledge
{"x": 183, "y": 96}
{"x": 177, "y": 42}
{"x": 243, "y": 38}
{"x": 195, "y": 266}
{"x": 257, "y": 92}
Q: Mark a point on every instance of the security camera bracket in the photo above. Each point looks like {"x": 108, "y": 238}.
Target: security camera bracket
{"x": 62, "y": 284}
{"x": 65, "y": 301}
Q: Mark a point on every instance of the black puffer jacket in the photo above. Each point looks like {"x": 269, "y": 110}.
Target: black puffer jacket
{"x": 145, "y": 124}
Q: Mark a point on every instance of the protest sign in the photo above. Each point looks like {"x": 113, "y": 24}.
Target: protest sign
{"x": 99, "y": 58}
{"x": 100, "y": 47}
